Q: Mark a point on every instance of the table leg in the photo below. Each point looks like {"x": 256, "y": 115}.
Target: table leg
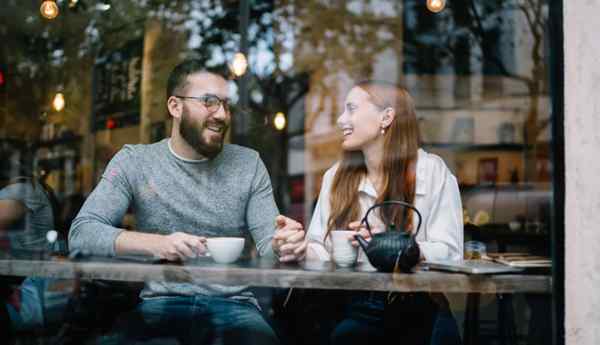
{"x": 471, "y": 327}
{"x": 506, "y": 319}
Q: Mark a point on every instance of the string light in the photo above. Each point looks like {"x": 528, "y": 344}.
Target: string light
{"x": 239, "y": 64}
{"x": 49, "y": 9}
{"x": 59, "y": 102}
{"x": 436, "y": 6}
{"x": 279, "y": 121}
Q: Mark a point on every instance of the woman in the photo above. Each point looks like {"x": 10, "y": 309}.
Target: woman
{"x": 382, "y": 161}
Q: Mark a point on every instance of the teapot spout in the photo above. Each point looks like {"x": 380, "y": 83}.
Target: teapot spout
{"x": 362, "y": 242}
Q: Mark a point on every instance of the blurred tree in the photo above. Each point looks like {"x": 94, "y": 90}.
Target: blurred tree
{"x": 47, "y": 55}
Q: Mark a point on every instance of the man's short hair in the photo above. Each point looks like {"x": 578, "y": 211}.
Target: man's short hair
{"x": 178, "y": 77}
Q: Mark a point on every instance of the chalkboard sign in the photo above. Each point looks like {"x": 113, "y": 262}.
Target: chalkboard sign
{"x": 117, "y": 87}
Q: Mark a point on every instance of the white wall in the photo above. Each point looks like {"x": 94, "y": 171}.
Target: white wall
{"x": 582, "y": 141}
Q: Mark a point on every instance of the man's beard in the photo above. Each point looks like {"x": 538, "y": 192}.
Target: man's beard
{"x": 192, "y": 133}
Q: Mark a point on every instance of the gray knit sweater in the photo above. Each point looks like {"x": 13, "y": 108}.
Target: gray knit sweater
{"x": 230, "y": 195}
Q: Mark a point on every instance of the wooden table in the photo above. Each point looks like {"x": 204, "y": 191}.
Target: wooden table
{"x": 311, "y": 275}
{"x": 269, "y": 273}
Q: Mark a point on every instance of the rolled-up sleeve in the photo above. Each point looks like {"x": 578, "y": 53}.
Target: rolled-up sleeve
{"x": 95, "y": 230}
{"x": 444, "y": 227}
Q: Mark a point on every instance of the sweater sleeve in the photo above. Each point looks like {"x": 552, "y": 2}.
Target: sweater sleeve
{"x": 261, "y": 210}
{"x": 95, "y": 230}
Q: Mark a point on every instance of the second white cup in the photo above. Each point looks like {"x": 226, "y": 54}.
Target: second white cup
{"x": 343, "y": 253}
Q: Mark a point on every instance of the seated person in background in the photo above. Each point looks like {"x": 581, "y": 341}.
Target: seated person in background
{"x": 182, "y": 190}
{"x": 382, "y": 161}
{"x": 28, "y": 210}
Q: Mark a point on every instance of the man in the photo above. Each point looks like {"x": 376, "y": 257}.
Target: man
{"x": 182, "y": 190}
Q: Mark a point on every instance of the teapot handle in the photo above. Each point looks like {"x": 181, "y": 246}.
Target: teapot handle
{"x": 392, "y": 202}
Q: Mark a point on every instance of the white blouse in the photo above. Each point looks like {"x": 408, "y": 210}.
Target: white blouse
{"x": 436, "y": 197}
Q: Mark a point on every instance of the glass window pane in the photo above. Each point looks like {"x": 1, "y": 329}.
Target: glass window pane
{"x": 445, "y": 105}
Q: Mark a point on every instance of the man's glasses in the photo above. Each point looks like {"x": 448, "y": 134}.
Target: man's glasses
{"x": 211, "y": 102}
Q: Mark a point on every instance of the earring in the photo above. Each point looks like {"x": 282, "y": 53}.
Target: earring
{"x": 382, "y": 131}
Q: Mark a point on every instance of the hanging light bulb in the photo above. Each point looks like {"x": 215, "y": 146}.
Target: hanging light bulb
{"x": 59, "y": 102}
{"x": 239, "y": 64}
{"x": 73, "y": 3}
{"x": 279, "y": 121}
{"x": 49, "y": 9}
{"x": 105, "y": 6}
{"x": 436, "y": 6}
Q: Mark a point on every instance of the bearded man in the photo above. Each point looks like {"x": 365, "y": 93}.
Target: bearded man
{"x": 182, "y": 190}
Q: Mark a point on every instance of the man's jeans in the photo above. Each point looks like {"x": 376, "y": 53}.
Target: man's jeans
{"x": 202, "y": 320}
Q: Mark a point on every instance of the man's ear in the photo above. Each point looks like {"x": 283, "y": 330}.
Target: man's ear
{"x": 389, "y": 114}
{"x": 175, "y": 107}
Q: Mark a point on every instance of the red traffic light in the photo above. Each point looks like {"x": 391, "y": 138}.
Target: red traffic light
{"x": 2, "y": 80}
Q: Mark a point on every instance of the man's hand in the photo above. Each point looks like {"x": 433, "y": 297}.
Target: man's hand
{"x": 288, "y": 242}
{"x": 180, "y": 246}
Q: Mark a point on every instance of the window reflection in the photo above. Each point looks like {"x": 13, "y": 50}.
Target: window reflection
{"x": 478, "y": 71}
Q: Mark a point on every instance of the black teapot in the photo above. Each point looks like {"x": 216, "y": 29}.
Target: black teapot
{"x": 391, "y": 249}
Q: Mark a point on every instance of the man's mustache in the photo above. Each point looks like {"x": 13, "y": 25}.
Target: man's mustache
{"x": 216, "y": 123}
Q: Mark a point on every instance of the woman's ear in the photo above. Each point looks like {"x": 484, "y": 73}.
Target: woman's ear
{"x": 389, "y": 114}
{"x": 174, "y": 107}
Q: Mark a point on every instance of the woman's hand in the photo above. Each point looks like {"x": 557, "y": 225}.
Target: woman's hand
{"x": 361, "y": 229}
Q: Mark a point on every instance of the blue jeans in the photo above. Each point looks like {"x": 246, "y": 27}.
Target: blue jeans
{"x": 43, "y": 303}
{"x": 407, "y": 319}
{"x": 445, "y": 330}
{"x": 201, "y": 320}
{"x": 363, "y": 321}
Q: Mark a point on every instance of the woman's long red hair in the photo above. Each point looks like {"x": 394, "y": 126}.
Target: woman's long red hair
{"x": 401, "y": 142}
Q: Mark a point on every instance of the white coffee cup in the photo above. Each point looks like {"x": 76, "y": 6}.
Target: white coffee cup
{"x": 344, "y": 254}
{"x": 225, "y": 250}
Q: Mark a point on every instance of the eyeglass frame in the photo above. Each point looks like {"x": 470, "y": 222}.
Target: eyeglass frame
{"x": 223, "y": 102}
